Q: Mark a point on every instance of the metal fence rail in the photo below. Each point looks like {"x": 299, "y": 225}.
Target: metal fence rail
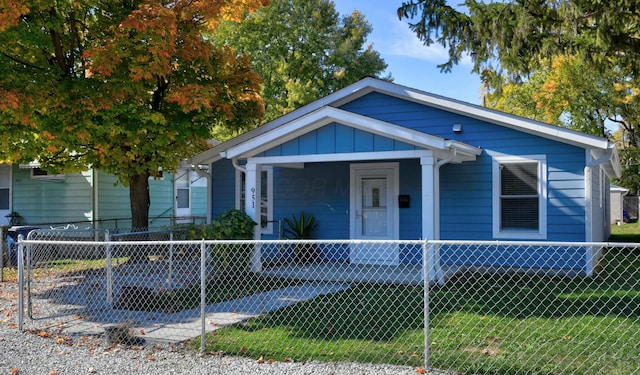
{"x": 483, "y": 307}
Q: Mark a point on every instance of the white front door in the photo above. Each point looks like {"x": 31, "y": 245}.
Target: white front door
{"x": 374, "y": 213}
{"x": 182, "y": 185}
{"x": 5, "y": 193}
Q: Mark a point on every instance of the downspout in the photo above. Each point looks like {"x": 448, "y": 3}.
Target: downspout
{"x": 237, "y": 166}
{"x": 588, "y": 182}
{"x": 95, "y": 199}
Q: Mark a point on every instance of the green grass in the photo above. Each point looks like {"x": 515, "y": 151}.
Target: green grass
{"x": 485, "y": 324}
{"x": 627, "y": 232}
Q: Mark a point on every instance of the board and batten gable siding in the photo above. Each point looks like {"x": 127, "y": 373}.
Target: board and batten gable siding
{"x": 337, "y": 138}
{"x": 465, "y": 190}
{"x": 40, "y": 201}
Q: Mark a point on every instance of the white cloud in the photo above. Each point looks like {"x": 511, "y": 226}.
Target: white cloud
{"x": 399, "y": 40}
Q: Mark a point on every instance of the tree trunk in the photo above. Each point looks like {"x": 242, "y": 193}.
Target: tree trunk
{"x": 140, "y": 202}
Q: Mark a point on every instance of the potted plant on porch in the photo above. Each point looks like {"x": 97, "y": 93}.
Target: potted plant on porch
{"x": 301, "y": 227}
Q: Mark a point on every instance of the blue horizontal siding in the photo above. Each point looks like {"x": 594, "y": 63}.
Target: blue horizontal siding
{"x": 560, "y": 258}
{"x": 223, "y": 177}
{"x": 466, "y": 206}
{"x": 321, "y": 189}
{"x": 465, "y": 189}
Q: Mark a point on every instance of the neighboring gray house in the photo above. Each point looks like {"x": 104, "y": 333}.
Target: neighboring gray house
{"x": 617, "y": 204}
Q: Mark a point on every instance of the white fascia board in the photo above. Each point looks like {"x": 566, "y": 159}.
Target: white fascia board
{"x": 325, "y": 116}
{"x": 352, "y": 91}
{"x": 490, "y": 115}
{"x": 32, "y": 165}
{"x": 205, "y": 157}
{"x": 347, "y": 156}
{"x": 464, "y": 148}
{"x": 368, "y": 85}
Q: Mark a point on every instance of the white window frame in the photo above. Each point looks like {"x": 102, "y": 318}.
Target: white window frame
{"x": 541, "y": 232}
{"x": 159, "y": 176}
{"x": 268, "y": 170}
{"x": 46, "y": 176}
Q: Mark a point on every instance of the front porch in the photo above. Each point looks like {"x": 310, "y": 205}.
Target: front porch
{"x": 341, "y": 271}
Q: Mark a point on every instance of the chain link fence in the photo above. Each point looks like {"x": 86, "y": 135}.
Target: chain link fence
{"x": 485, "y": 307}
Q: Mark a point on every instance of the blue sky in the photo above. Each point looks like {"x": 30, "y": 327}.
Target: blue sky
{"x": 410, "y": 62}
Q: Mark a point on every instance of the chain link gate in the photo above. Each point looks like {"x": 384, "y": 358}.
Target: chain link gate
{"x": 59, "y": 258}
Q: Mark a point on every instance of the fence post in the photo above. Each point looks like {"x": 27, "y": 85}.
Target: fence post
{"x": 170, "y": 278}
{"x": 203, "y": 295}
{"x": 2, "y": 242}
{"x": 109, "y": 269}
{"x": 20, "y": 283}
{"x": 426, "y": 281}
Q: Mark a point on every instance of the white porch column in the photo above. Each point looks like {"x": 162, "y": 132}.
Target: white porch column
{"x": 428, "y": 213}
{"x": 428, "y": 197}
{"x": 252, "y": 208}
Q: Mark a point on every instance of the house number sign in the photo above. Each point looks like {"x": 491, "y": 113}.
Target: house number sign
{"x": 253, "y": 197}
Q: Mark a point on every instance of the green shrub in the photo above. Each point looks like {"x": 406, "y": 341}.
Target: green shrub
{"x": 300, "y": 227}
{"x": 230, "y": 225}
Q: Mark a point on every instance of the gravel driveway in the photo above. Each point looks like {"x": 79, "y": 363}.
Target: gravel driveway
{"x": 40, "y": 352}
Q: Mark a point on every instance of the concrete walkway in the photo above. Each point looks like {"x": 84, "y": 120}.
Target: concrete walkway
{"x": 185, "y": 325}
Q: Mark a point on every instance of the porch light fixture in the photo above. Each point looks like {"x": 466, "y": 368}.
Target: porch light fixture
{"x": 457, "y": 128}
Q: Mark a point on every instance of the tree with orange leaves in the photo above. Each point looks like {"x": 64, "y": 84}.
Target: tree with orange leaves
{"x": 126, "y": 86}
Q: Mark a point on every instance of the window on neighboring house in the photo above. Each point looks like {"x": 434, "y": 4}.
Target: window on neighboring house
{"x": 519, "y": 191}
{"x": 40, "y": 174}
{"x": 5, "y": 198}
{"x": 158, "y": 176}
{"x": 266, "y": 199}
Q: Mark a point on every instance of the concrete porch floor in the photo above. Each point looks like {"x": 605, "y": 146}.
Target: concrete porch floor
{"x": 340, "y": 271}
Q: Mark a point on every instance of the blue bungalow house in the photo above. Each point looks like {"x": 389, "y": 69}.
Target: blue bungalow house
{"x": 380, "y": 161}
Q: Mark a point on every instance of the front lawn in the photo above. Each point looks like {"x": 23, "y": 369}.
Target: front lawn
{"x": 484, "y": 324}
{"x": 626, "y": 232}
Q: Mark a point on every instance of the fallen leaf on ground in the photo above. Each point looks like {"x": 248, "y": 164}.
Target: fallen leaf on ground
{"x": 420, "y": 370}
{"x": 260, "y": 359}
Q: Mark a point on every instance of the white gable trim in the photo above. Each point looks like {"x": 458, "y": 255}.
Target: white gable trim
{"x": 368, "y": 85}
{"x": 471, "y": 110}
{"x": 328, "y": 115}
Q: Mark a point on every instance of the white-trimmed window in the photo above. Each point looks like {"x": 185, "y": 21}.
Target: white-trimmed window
{"x": 266, "y": 199}
{"x": 40, "y": 174}
{"x": 520, "y": 197}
